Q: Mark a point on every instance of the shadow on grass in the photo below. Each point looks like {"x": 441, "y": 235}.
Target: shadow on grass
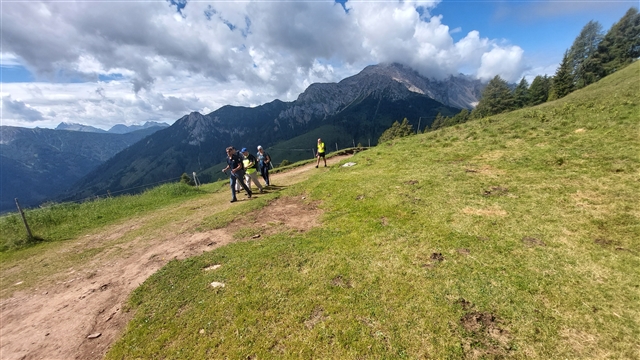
{"x": 22, "y": 243}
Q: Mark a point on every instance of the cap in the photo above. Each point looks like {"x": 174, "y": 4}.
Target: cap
{"x": 243, "y": 150}
{"x": 259, "y": 147}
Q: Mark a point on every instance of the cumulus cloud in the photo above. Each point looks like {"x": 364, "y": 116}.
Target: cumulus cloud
{"x": 18, "y": 109}
{"x": 180, "y": 56}
{"x": 506, "y": 62}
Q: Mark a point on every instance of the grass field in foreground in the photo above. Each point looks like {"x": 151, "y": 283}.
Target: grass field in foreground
{"x": 512, "y": 236}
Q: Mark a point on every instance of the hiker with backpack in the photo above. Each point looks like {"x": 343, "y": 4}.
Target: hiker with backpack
{"x": 250, "y": 166}
{"x": 265, "y": 163}
{"x": 234, "y": 163}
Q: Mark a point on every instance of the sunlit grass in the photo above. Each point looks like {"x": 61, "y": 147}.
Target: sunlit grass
{"x": 58, "y": 222}
{"x": 511, "y": 236}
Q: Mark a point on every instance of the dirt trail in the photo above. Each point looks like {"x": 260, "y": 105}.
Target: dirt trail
{"x": 54, "y": 318}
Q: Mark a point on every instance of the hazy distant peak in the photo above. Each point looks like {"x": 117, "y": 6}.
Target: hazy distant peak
{"x": 124, "y": 129}
{"x": 78, "y": 127}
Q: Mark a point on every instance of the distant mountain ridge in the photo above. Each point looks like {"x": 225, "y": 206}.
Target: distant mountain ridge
{"x": 38, "y": 164}
{"x": 69, "y": 126}
{"x": 358, "y": 109}
{"x": 115, "y": 129}
{"x": 123, "y": 129}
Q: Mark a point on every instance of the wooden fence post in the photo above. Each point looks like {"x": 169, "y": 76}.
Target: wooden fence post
{"x": 195, "y": 179}
{"x": 24, "y": 220}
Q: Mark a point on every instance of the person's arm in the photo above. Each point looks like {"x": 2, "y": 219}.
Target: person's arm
{"x": 267, "y": 158}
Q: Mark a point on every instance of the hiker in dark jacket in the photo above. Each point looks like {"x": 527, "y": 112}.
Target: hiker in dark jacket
{"x": 234, "y": 163}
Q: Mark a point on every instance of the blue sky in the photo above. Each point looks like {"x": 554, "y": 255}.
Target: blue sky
{"x": 102, "y": 63}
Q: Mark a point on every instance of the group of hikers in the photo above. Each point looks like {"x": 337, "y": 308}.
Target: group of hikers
{"x": 244, "y": 167}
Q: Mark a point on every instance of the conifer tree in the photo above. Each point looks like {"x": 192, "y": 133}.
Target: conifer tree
{"x": 563, "y": 80}
{"x": 521, "y": 94}
{"x": 584, "y": 46}
{"x": 539, "y": 90}
{"x": 618, "y": 48}
{"x": 397, "y": 130}
{"x": 496, "y": 98}
{"x": 437, "y": 122}
{"x": 461, "y": 117}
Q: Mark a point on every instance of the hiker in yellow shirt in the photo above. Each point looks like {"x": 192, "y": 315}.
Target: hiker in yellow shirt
{"x": 250, "y": 167}
{"x": 320, "y": 153}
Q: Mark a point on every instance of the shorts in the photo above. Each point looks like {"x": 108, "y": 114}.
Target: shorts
{"x": 321, "y": 155}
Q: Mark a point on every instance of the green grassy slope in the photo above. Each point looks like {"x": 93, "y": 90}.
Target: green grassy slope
{"x": 59, "y": 222}
{"x": 514, "y": 236}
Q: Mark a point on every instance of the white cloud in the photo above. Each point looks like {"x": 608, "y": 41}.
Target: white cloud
{"x": 506, "y": 62}
{"x": 218, "y": 53}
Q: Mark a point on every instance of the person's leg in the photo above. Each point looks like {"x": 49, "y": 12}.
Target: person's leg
{"x": 325, "y": 160}
{"x": 240, "y": 178}
{"x": 318, "y": 160}
{"x": 233, "y": 188}
{"x": 262, "y": 174}
{"x": 247, "y": 180}
{"x": 254, "y": 177}
{"x": 264, "y": 171}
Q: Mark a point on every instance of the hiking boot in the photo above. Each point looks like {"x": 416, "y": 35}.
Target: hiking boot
{"x": 251, "y": 193}
{"x": 261, "y": 191}
{"x": 316, "y": 166}
{"x": 233, "y": 200}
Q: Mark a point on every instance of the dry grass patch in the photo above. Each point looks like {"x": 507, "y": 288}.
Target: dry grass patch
{"x": 582, "y": 343}
{"x": 490, "y": 211}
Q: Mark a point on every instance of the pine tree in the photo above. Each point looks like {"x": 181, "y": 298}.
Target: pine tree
{"x": 623, "y": 41}
{"x": 584, "y": 46}
{"x": 563, "y": 80}
{"x": 437, "y": 122}
{"x": 397, "y": 130}
{"x": 496, "y": 98}
{"x": 539, "y": 90}
{"x": 521, "y": 94}
{"x": 461, "y": 117}
{"x": 618, "y": 48}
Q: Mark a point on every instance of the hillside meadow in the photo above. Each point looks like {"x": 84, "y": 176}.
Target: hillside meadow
{"x": 512, "y": 236}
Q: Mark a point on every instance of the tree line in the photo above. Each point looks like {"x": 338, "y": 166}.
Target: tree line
{"x": 592, "y": 56}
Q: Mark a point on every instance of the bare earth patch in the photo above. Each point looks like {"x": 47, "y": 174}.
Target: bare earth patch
{"x": 78, "y": 314}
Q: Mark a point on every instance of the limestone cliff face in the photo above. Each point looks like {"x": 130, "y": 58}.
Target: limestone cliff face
{"x": 385, "y": 80}
{"x": 320, "y": 101}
